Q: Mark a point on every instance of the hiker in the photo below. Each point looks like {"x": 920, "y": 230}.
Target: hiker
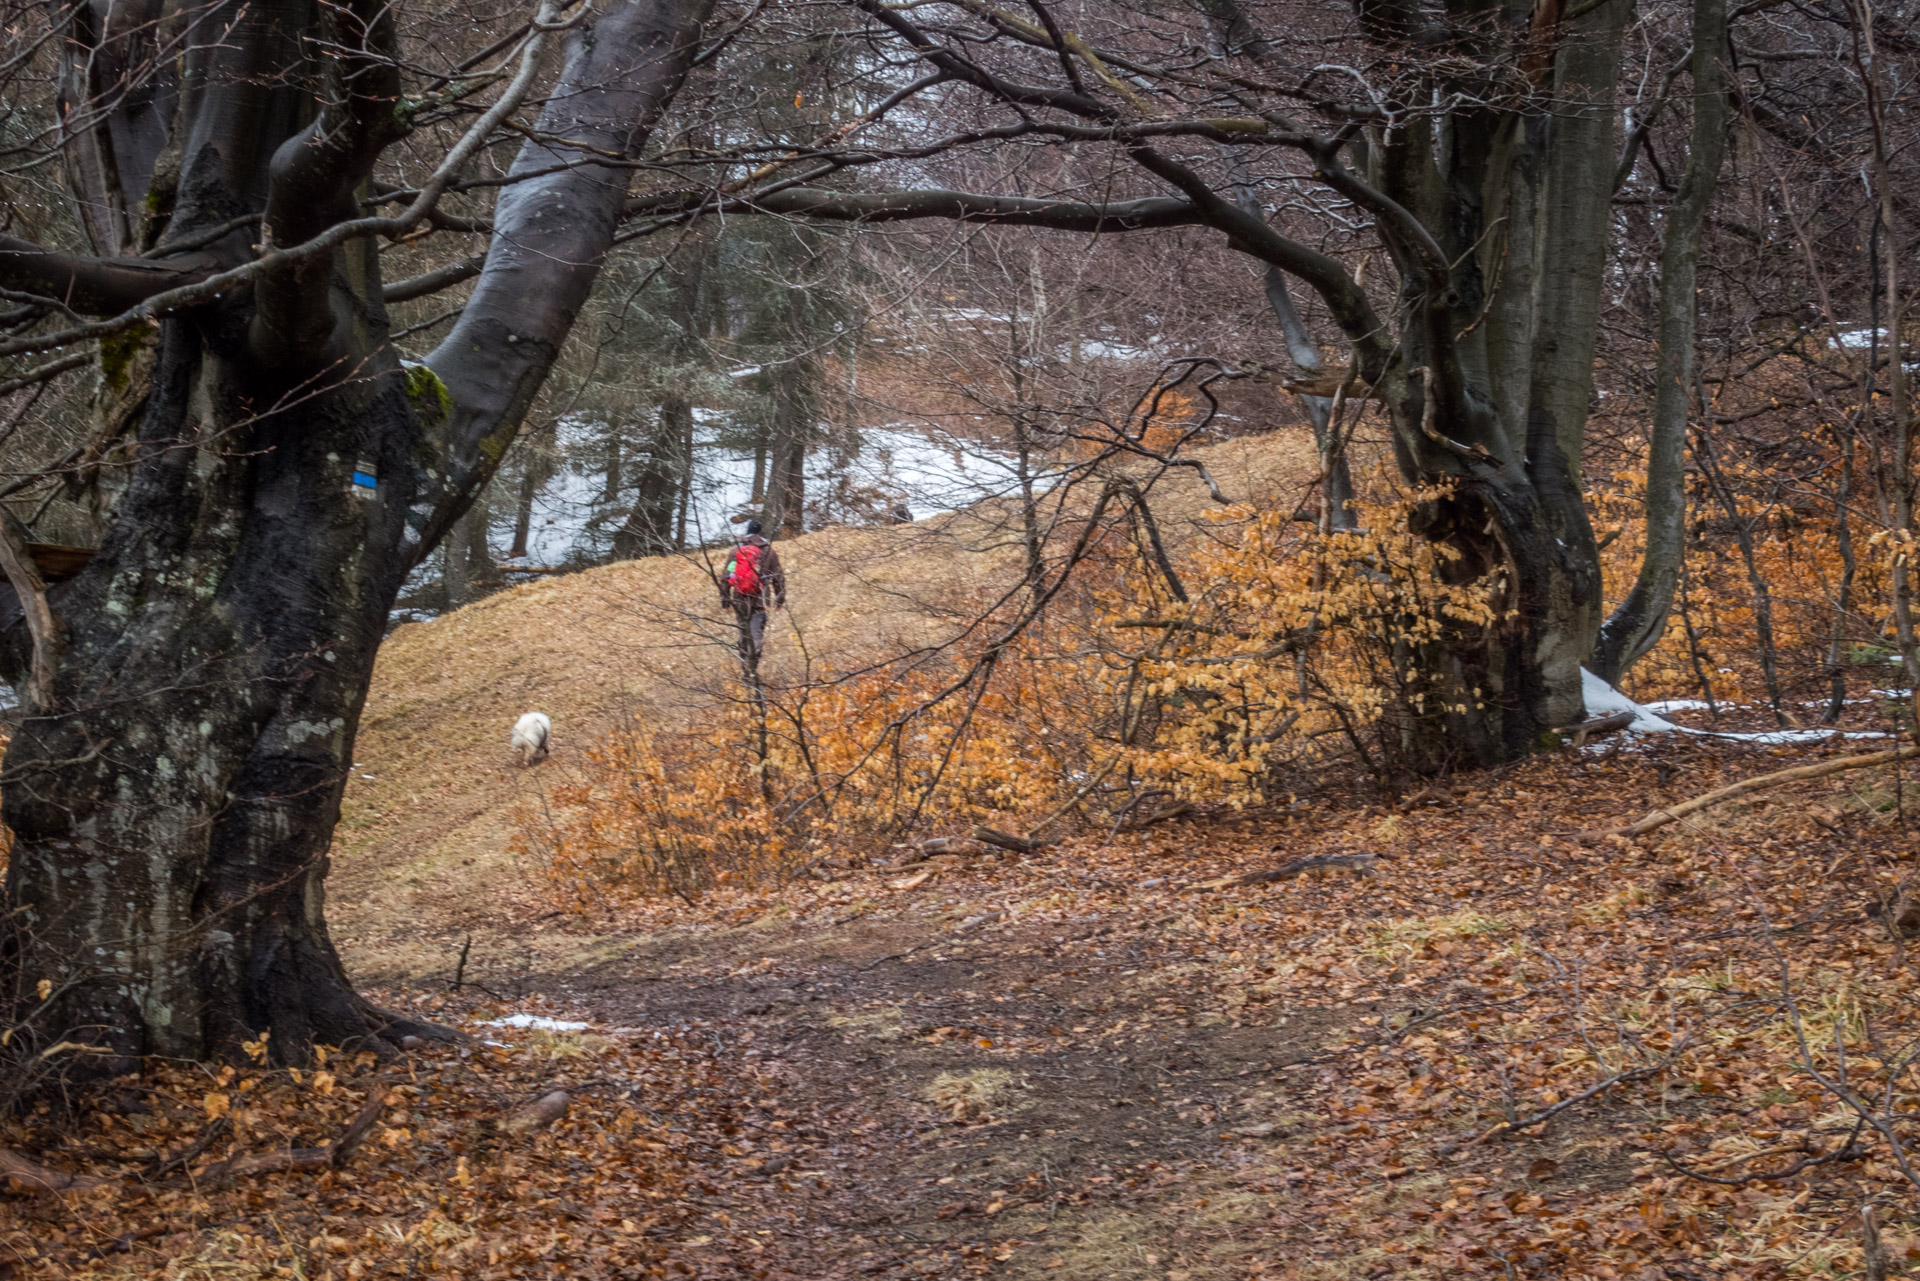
{"x": 753, "y": 572}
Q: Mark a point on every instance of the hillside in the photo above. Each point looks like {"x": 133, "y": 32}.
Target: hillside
{"x": 421, "y": 855}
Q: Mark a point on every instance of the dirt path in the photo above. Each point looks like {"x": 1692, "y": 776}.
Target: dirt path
{"x": 1089, "y": 1065}
{"x": 1033, "y": 1099}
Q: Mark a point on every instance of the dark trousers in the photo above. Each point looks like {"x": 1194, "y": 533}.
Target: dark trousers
{"x": 751, "y": 613}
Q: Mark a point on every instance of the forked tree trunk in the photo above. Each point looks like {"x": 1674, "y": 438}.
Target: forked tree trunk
{"x": 172, "y": 800}
{"x": 1498, "y": 223}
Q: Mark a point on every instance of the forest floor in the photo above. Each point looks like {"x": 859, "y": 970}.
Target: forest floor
{"x": 1500, "y": 1055}
{"x": 1085, "y": 1064}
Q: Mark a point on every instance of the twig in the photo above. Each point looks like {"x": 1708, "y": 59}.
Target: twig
{"x": 972, "y": 922}
{"x": 1845, "y": 1152}
{"x": 460, "y": 967}
{"x": 1547, "y": 1114}
{"x": 332, "y": 1156}
{"x": 192, "y": 1152}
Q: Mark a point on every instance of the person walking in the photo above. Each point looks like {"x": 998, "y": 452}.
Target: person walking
{"x": 753, "y": 577}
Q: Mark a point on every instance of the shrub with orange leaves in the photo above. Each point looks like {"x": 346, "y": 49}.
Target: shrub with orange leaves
{"x": 1295, "y": 651}
{"x": 850, "y": 761}
{"x": 1298, "y": 646}
{"x": 673, "y": 822}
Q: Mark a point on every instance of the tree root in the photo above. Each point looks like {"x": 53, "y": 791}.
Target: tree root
{"x": 1599, "y": 725}
{"x": 395, "y": 1029}
{"x": 1673, "y": 814}
{"x": 31, "y": 1178}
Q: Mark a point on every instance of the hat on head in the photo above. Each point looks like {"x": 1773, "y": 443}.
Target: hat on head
{"x": 753, "y": 527}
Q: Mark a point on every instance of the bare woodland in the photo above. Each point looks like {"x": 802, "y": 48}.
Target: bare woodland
{"x": 1184, "y": 417}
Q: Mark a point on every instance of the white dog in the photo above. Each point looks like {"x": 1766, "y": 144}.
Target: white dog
{"x": 530, "y": 737}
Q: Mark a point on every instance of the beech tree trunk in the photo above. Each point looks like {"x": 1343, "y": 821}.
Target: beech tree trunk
{"x": 179, "y": 794}
{"x": 172, "y": 800}
{"x": 1640, "y": 620}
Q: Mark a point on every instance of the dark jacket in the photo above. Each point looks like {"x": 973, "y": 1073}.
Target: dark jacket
{"x": 772, "y": 579}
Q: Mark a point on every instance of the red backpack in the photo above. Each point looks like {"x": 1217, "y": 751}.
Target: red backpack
{"x": 746, "y": 570}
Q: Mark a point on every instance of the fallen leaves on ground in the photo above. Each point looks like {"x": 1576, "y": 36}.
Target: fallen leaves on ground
{"x": 445, "y": 1183}
{"x": 1327, "y": 1077}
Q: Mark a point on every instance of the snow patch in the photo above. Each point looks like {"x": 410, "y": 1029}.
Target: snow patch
{"x": 1604, "y": 700}
{"x": 537, "y": 1023}
{"x": 896, "y": 465}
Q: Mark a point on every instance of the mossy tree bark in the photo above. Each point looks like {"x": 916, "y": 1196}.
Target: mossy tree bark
{"x": 173, "y": 799}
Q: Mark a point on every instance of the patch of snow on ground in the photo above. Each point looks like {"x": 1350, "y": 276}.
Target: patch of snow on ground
{"x": 895, "y": 465}
{"x": 1604, "y": 700}
{"x": 1677, "y": 705}
{"x": 537, "y": 1023}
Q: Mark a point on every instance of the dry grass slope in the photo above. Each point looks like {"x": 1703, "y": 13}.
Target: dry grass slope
{"x": 421, "y": 854}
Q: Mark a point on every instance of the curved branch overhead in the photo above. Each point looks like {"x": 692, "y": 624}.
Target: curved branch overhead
{"x": 1146, "y": 213}
{"x": 551, "y": 237}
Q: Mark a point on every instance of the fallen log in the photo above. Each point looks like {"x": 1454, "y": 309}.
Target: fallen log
{"x": 538, "y": 1115}
{"x": 1673, "y": 814}
{"x": 1599, "y": 725}
{"x": 1007, "y": 840}
{"x": 1359, "y": 864}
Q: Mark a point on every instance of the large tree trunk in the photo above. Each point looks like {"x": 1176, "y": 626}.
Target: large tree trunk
{"x": 1489, "y": 392}
{"x": 172, "y": 799}
{"x": 175, "y": 802}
